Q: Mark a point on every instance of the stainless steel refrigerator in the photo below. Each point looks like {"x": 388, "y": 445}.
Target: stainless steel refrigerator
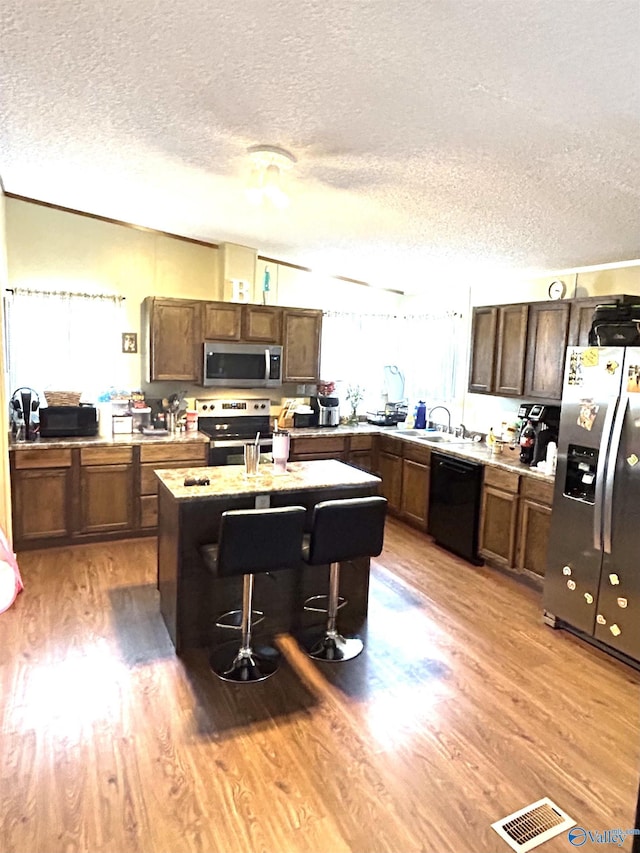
{"x": 592, "y": 582}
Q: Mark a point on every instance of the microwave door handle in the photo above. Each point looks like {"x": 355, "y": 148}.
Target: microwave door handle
{"x": 614, "y": 449}
{"x": 601, "y": 474}
{"x": 267, "y": 364}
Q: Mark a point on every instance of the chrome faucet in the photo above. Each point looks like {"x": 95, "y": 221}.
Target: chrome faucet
{"x": 444, "y": 409}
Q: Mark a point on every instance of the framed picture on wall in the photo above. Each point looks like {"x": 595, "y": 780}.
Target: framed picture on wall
{"x": 130, "y": 342}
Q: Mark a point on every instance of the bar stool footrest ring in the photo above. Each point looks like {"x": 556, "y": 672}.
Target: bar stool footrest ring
{"x": 232, "y": 619}
{"x": 342, "y": 601}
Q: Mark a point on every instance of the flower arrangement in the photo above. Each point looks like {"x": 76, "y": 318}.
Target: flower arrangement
{"x": 354, "y": 395}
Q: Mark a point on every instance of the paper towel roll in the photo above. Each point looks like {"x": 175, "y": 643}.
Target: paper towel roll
{"x": 105, "y": 424}
{"x": 552, "y": 458}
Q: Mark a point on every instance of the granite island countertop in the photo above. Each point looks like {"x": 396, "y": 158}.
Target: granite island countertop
{"x": 231, "y": 480}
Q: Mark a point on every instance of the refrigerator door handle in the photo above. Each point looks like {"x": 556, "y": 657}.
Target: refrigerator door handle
{"x": 601, "y": 474}
{"x": 611, "y": 471}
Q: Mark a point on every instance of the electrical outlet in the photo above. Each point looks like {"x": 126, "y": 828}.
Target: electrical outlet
{"x": 300, "y": 390}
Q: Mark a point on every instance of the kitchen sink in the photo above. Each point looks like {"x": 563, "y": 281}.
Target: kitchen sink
{"x": 430, "y": 435}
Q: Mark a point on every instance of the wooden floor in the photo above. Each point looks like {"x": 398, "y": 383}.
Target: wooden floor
{"x": 463, "y": 708}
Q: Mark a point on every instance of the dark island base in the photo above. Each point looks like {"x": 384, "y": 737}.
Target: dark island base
{"x": 191, "y": 601}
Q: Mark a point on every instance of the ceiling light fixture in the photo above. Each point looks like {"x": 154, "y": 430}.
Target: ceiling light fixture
{"x": 265, "y": 182}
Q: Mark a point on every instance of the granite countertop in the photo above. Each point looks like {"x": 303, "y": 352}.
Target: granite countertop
{"x": 341, "y": 430}
{"x": 127, "y": 440}
{"x": 230, "y": 480}
{"x": 475, "y": 452}
{"x": 471, "y": 451}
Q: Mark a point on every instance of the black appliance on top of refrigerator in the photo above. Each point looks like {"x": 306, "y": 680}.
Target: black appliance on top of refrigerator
{"x": 592, "y": 584}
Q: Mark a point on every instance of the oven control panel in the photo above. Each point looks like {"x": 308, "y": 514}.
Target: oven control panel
{"x": 221, "y": 408}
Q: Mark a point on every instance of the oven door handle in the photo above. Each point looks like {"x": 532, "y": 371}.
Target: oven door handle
{"x": 265, "y": 446}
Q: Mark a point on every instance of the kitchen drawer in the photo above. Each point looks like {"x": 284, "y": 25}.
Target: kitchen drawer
{"x": 391, "y": 444}
{"x": 508, "y": 481}
{"x": 149, "y": 511}
{"x": 417, "y": 452}
{"x": 106, "y": 455}
{"x": 42, "y": 458}
{"x": 331, "y": 445}
{"x": 149, "y": 481}
{"x": 361, "y": 442}
{"x": 537, "y": 490}
{"x": 174, "y": 453}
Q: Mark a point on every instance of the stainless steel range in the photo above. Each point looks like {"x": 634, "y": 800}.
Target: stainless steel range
{"x": 230, "y": 424}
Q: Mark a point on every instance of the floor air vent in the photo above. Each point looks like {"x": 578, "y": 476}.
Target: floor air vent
{"x": 533, "y": 825}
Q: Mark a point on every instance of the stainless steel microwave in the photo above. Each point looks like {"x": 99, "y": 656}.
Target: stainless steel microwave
{"x": 236, "y": 365}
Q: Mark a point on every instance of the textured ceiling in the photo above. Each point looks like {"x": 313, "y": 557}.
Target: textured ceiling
{"x": 429, "y": 134}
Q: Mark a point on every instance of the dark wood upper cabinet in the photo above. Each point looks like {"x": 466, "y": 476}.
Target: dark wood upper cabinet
{"x": 547, "y": 337}
{"x": 498, "y": 349}
{"x": 221, "y": 321}
{"x": 230, "y": 321}
{"x": 483, "y": 349}
{"x": 519, "y": 350}
{"x": 174, "y": 339}
{"x": 511, "y": 349}
{"x": 174, "y": 331}
{"x": 301, "y": 344}
{"x": 582, "y": 315}
{"x": 262, "y": 323}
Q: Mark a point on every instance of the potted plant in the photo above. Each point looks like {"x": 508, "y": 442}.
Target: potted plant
{"x": 355, "y": 395}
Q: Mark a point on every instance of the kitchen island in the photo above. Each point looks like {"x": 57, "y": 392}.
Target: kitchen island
{"x": 189, "y": 516}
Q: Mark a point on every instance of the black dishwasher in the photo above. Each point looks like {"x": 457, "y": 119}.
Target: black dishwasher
{"x": 454, "y": 505}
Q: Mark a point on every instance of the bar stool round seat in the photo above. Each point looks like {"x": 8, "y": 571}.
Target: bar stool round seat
{"x": 252, "y": 541}
{"x": 342, "y": 530}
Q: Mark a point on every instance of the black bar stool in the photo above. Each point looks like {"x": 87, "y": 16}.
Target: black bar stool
{"x": 341, "y": 530}
{"x": 252, "y": 541}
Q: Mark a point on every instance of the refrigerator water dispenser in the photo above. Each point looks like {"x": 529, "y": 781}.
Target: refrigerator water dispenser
{"x": 580, "y": 482}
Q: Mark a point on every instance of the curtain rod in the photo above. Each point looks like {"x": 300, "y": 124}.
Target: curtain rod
{"x": 383, "y": 316}
{"x": 31, "y": 292}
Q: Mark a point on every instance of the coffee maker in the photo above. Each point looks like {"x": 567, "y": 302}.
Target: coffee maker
{"x": 326, "y": 411}
{"x": 546, "y": 422}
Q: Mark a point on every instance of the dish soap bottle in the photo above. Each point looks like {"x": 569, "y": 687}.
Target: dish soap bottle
{"x": 421, "y": 415}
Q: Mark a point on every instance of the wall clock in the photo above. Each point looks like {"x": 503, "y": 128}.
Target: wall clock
{"x": 557, "y": 289}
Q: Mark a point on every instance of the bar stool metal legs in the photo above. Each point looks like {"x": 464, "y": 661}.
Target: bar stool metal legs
{"x": 246, "y": 665}
{"x": 333, "y": 646}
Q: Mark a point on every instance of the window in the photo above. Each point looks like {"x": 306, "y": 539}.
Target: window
{"x": 63, "y": 341}
{"x": 426, "y": 349}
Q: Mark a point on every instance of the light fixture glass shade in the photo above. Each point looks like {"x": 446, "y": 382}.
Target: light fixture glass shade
{"x": 265, "y": 180}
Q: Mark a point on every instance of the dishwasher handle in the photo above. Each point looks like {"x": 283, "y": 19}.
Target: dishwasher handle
{"x": 459, "y": 467}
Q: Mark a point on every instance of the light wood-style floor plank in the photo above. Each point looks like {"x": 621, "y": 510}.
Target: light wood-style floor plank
{"x": 463, "y": 708}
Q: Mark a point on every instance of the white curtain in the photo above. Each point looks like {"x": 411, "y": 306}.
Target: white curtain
{"x": 63, "y": 341}
{"x": 426, "y": 348}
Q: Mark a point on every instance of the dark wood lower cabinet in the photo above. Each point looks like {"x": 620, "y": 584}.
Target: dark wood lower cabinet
{"x": 536, "y": 499}
{"x": 515, "y": 522}
{"x": 404, "y": 469}
{"x": 41, "y": 504}
{"x": 499, "y": 516}
{"x": 414, "y": 504}
{"x": 91, "y": 493}
{"x": 390, "y": 471}
{"x": 107, "y": 498}
{"x": 42, "y": 495}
